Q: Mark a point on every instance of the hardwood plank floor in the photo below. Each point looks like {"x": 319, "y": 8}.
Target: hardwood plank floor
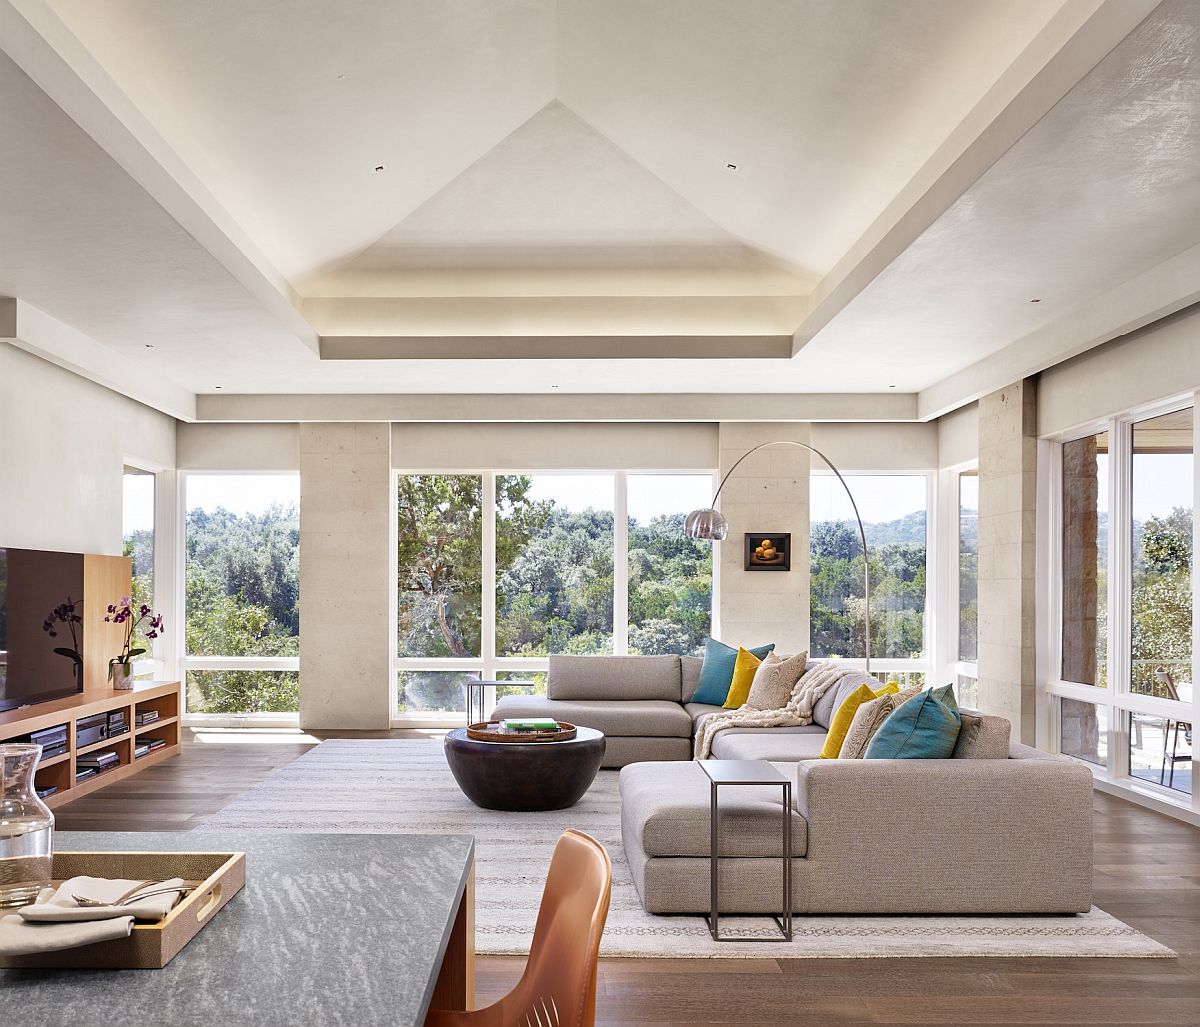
{"x": 1147, "y": 874}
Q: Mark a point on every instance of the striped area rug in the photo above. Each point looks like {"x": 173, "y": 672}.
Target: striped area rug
{"x": 402, "y": 786}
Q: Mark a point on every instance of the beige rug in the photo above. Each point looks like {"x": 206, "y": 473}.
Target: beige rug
{"x": 368, "y": 787}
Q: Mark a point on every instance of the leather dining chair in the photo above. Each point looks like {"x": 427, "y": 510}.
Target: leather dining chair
{"x": 558, "y": 987}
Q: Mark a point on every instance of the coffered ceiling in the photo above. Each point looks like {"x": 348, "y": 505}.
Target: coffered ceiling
{"x": 525, "y": 196}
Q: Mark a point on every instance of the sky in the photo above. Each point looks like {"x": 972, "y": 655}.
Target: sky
{"x": 880, "y": 497}
{"x": 241, "y": 493}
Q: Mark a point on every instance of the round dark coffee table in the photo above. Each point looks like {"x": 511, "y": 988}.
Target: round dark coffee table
{"x": 525, "y": 776}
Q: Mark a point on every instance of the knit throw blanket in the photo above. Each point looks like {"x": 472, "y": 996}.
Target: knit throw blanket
{"x": 817, "y": 679}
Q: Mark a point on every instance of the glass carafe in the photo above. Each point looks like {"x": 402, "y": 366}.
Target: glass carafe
{"x": 26, "y": 828}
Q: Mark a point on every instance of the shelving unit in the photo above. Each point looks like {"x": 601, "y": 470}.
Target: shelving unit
{"x": 164, "y": 696}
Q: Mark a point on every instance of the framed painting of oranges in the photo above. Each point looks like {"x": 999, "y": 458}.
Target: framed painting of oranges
{"x": 769, "y": 551}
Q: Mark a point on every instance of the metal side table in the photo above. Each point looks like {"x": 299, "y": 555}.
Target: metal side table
{"x": 746, "y": 772}
{"x": 477, "y": 696}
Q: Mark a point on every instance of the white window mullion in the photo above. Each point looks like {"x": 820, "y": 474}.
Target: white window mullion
{"x": 1120, "y": 577}
{"x": 1195, "y": 704}
{"x": 487, "y": 626}
{"x": 621, "y": 564}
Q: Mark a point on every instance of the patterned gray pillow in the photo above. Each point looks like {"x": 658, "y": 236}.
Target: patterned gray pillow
{"x": 774, "y": 680}
{"x": 868, "y": 719}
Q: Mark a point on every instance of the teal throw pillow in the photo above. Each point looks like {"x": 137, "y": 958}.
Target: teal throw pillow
{"x": 716, "y": 674}
{"x": 924, "y": 728}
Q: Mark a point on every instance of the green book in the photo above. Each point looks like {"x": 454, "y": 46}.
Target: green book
{"x": 530, "y": 724}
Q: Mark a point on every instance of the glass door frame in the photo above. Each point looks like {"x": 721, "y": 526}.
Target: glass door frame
{"x": 1119, "y": 700}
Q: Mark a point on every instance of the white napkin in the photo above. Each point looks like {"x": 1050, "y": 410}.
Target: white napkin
{"x": 59, "y": 907}
{"x": 21, "y": 938}
{"x": 56, "y": 921}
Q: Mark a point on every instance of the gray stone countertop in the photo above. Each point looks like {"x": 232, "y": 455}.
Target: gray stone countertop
{"x": 330, "y": 929}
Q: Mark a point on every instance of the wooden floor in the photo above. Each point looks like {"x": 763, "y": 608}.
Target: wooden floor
{"x": 1147, "y": 874}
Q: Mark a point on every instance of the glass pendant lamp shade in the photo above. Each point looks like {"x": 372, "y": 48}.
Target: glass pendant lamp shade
{"x": 707, "y": 523}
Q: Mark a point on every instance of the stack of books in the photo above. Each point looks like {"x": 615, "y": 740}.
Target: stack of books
{"x": 530, "y": 725}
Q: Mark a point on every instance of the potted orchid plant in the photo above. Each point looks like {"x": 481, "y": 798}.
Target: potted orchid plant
{"x": 120, "y": 668}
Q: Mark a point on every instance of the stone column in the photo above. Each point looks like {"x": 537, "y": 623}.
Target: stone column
{"x": 346, "y": 575}
{"x": 1079, "y": 571}
{"x": 767, "y": 493}
{"x": 1008, "y": 555}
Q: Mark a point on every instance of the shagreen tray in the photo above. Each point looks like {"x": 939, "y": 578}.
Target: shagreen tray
{"x": 216, "y": 877}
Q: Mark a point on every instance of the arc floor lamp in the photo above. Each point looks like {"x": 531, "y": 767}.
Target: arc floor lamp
{"x": 711, "y": 524}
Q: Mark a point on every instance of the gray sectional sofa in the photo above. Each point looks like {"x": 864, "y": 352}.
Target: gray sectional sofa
{"x": 1001, "y": 828}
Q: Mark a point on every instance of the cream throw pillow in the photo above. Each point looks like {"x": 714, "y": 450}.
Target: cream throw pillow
{"x": 868, "y": 719}
{"x": 774, "y": 680}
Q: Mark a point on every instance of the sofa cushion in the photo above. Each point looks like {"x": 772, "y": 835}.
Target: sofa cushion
{"x": 665, "y": 807}
{"x": 744, "y": 668}
{"x": 844, "y": 716}
{"x": 774, "y": 681}
{"x": 614, "y": 678}
{"x": 925, "y": 728}
{"x": 825, "y": 708}
{"x": 779, "y": 744}
{"x": 982, "y": 738}
{"x": 689, "y": 672}
{"x": 868, "y": 719}
{"x": 717, "y": 672}
{"x": 635, "y": 717}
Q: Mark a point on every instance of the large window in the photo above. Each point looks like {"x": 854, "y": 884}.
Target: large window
{"x": 496, "y": 572}
{"x": 1161, "y": 544}
{"x": 670, "y": 575}
{"x": 554, "y": 564}
{"x": 1125, "y": 591}
{"x": 966, "y": 638}
{"x": 893, "y": 509}
{"x": 137, "y": 542}
{"x": 242, "y": 593}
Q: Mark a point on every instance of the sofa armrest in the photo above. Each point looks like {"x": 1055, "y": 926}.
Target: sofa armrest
{"x": 963, "y": 822}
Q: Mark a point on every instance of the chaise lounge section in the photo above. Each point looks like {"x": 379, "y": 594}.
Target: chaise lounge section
{"x": 966, "y": 836}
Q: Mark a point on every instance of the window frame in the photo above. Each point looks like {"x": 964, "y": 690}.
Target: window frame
{"x": 488, "y": 664}
{"x": 1120, "y": 702}
{"x": 932, "y": 620}
{"x": 184, "y": 660}
{"x": 162, "y": 658}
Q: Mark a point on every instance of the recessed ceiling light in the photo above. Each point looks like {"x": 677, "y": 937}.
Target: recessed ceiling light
{"x": 1036, "y": 301}
{"x": 149, "y": 345}
{"x": 731, "y": 167}
{"x": 216, "y": 386}
{"x": 341, "y": 78}
{"x": 554, "y": 386}
{"x": 891, "y": 386}
{"x": 380, "y": 168}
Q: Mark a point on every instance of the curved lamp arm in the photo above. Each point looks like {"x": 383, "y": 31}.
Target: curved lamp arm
{"x": 862, "y": 533}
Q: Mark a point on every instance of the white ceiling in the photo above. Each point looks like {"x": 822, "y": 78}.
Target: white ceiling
{"x": 560, "y": 170}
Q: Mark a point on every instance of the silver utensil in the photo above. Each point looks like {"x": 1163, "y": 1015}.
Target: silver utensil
{"x": 131, "y": 900}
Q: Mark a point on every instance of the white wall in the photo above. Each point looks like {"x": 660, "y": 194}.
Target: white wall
{"x": 238, "y": 447}
{"x": 63, "y": 444}
{"x": 877, "y": 447}
{"x": 958, "y": 436}
{"x": 533, "y": 447}
{"x": 1155, "y": 363}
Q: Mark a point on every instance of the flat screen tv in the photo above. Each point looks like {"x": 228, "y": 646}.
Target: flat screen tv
{"x": 41, "y": 626}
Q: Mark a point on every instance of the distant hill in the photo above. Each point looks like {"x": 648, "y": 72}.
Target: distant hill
{"x": 909, "y": 528}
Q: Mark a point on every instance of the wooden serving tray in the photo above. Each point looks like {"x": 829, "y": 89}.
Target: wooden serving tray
{"x": 216, "y": 876}
{"x": 490, "y": 732}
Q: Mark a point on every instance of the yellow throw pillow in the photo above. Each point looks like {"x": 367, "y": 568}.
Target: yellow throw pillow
{"x": 842, "y": 720}
{"x": 743, "y": 677}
